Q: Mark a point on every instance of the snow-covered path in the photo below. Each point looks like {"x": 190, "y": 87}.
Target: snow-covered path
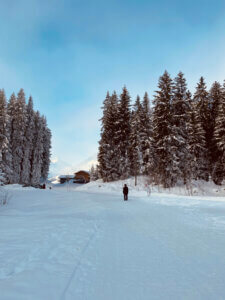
{"x": 78, "y": 245}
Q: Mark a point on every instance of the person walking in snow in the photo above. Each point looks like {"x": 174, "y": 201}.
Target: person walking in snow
{"x": 125, "y": 192}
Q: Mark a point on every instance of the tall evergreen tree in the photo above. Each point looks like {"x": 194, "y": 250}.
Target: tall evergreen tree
{"x": 38, "y": 149}
{"x": 215, "y": 95}
{"x": 46, "y": 150}
{"x": 135, "y": 142}
{"x": 5, "y": 154}
{"x": 180, "y": 108}
{"x": 219, "y": 135}
{"x": 112, "y": 138}
{"x": 201, "y": 98}
{"x": 196, "y": 141}
{"x": 124, "y": 130}
{"x": 103, "y": 141}
{"x": 18, "y": 137}
{"x": 11, "y": 108}
{"x": 108, "y": 145}
{"x": 146, "y": 136}
{"x": 163, "y": 136}
{"x": 28, "y": 144}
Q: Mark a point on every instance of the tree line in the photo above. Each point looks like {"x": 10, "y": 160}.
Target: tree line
{"x": 180, "y": 138}
{"x": 25, "y": 141}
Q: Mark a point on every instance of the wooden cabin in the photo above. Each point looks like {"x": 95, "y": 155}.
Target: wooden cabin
{"x": 82, "y": 177}
{"x": 65, "y": 178}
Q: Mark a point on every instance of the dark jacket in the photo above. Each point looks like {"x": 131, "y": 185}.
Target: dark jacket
{"x": 125, "y": 190}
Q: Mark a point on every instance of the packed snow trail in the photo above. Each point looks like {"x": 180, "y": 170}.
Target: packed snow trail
{"x": 78, "y": 245}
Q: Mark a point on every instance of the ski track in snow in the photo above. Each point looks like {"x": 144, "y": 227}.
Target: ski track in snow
{"x": 78, "y": 264}
{"x": 70, "y": 245}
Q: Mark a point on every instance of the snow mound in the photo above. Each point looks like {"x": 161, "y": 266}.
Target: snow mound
{"x": 196, "y": 188}
{"x": 17, "y": 187}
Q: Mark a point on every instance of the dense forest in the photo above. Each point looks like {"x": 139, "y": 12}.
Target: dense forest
{"x": 180, "y": 138}
{"x": 25, "y": 141}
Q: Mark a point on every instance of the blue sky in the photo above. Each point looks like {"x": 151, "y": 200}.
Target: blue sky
{"x": 67, "y": 54}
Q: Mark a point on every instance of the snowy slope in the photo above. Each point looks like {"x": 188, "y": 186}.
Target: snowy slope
{"x": 69, "y": 244}
{"x": 197, "y": 188}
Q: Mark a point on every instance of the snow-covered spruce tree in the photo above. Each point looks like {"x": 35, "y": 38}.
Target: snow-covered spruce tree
{"x": 101, "y": 159}
{"x": 135, "y": 142}
{"x": 215, "y": 95}
{"x": 196, "y": 141}
{"x": 28, "y": 144}
{"x": 180, "y": 109}
{"x": 2, "y": 178}
{"x": 18, "y": 136}
{"x": 46, "y": 149}
{"x": 146, "y": 136}
{"x": 11, "y": 107}
{"x": 219, "y": 135}
{"x": 124, "y": 129}
{"x": 113, "y": 139}
{"x": 163, "y": 136}
{"x": 38, "y": 149}
{"x": 108, "y": 145}
{"x": 103, "y": 143}
{"x": 94, "y": 173}
{"x": 201, "y": 98}
{"x": 5, "y": 153}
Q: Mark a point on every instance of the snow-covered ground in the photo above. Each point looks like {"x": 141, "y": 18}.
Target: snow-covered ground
{"x": 84, "y": 242}
{"x": 196, "y": 188}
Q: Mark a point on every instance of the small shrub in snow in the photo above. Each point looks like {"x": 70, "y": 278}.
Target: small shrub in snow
{"x": 4, "y": 196}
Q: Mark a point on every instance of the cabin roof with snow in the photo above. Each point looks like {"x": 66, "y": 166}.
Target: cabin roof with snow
{"x": 66, "y": 176}
{"x": 82, "y": 171}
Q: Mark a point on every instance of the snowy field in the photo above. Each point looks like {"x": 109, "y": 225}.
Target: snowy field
{"x": 84, "y": 242}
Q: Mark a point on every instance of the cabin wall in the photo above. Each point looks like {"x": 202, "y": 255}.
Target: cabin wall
{"x": 82, "y": 175}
